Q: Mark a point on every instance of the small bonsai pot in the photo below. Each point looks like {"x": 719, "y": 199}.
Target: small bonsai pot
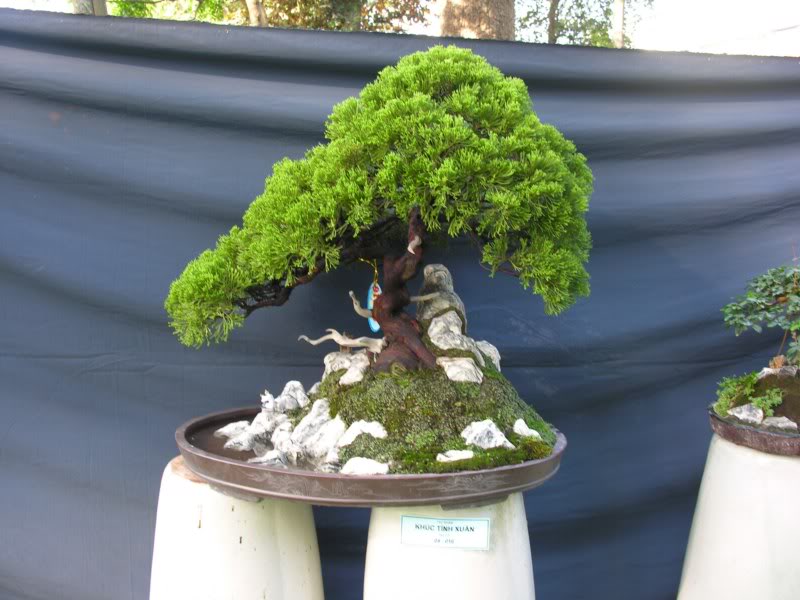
{"x": 743, "y": 541}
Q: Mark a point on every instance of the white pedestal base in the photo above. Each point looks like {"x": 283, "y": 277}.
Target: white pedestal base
{"x": 209, "y": 546}
{"x": 407, "y": 569}
{"x": 744, "y": 539}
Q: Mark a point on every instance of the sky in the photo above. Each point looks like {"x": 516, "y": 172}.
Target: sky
{"x": 760, "y": 27}
{"x": 765, "y": 27}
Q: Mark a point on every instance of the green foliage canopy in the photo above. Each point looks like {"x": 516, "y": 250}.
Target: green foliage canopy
{"x": 444, "y": 131}
{"x": 772, "y": 300}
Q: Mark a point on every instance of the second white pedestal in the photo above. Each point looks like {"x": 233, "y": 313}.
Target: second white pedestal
{"x": 744, "y": 538}
{"x": 431, "y": 553}
{"x": 211, "y": 546}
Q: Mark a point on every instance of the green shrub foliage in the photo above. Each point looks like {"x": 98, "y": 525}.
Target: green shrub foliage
{"x": 772, "y": 300}
{"x": 443, "y": 130}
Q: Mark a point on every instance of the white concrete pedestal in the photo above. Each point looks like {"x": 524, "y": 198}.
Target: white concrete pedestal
{"x": 745, "y": 534}
{"x": 410, "y": 558}
{"x": 210, "y": 546}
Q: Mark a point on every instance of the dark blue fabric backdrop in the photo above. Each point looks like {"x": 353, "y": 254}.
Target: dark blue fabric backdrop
{"x": 127, "y": 147}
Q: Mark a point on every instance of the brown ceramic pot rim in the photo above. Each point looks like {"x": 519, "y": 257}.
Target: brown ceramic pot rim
{"x": 333, "y": 489}
{"x": 763, "y": 440}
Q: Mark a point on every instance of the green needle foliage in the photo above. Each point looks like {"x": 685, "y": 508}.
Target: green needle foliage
{"x": 444, "y": 131}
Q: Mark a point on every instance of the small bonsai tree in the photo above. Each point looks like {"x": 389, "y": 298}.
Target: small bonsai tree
{"x": 443, "y": 144}
{"x": 772, "y": 300}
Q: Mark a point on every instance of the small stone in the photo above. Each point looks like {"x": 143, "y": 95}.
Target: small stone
{"x": 273, "y": 458}
{"x": 455, "y": 455}
{"x": 266, "y": 422}
{"x": 780, "y": 423}
{"x": 485, "y": 434}
{"x": 336, "y": 361}
{"x": 364, "y": 466}
{"x": 747, "y": 413}
{"x": 355, "y": 364}
{"x": 438, "y": 280}
{"x": 355, "y": 372}
{"x": 324, "y": 439}
{"x": 445, "y": 333}
{"x": 282, "y": 441}
{"x": 490, "y": 352}
{"x": 521, "y": 428}
{"x": 460, "y": 369}
{"x": 332, "y": 457}
{"x": 312, "y": 422}
{"x": 786, "y": 371}
{"x": 314, "y": 388}
{"x": 293, "y": 396}
{"x": 232, "y": 430}
{"x": 372, "y": 428}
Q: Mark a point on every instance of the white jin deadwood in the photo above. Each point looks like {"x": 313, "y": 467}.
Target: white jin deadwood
{"x": 430, "y": 553}
{"x": 214, "y": 546}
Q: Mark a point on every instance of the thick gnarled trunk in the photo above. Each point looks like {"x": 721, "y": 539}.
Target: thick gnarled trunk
{"x": 402, "y": 332}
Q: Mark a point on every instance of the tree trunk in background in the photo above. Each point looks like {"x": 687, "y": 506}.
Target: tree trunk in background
{"x": 479, "y": 19}
{"x": 618, "y": 33}
{"x": 90, "y": 7}
{"x": 256, "y": 15}
{"x": 552, "y": 22}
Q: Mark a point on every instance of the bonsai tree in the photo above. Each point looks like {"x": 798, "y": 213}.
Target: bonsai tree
{"x": 441, "y": 145}
{"x": 772, "y": 300}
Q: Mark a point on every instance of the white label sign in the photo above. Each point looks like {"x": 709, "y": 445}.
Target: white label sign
{"x": 445, "y": 533}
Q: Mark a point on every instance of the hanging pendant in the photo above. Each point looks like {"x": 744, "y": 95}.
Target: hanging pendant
{"x": 372, "y": 295}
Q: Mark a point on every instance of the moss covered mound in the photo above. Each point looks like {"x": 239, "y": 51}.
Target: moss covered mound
{"x": 424, "y": 414}
{"x": 738, "y": 391}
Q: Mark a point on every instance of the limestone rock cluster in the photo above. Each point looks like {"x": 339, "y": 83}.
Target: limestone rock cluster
{"x": 313, "y": 443}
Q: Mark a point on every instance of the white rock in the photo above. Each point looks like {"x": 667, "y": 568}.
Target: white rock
{"x": 282, "y": 442}
{"x": 521, "y": 428}
{"x": 364, "y": 466}
{"x": 787, "y": 371}
{"x": 232, "y": 430}
{"x": 268, "y": 402}
{"x": 293, "y": 395}
{"x": 747, "y": 413}
{"x": 246, "y": 441}
{"x": 324, "y": 439}
{"x": 455, "y": 455}
{"x": 312, "y": 422}
{"x": 273, "y": 458}
{"x": 485, "y": 434}
{"x": 356, "y": 364}
{"x": 314, "y": 388}
{"x": 437, "y": 279}
{"x": 445, "y": 333}
{"x": 266, "y": 422}
{"x": 336, "y": 361}
{"x": 332, "y": 457}
{"x": 491, "y": 352}
{"x": 460, "y": 369}
{"x": 780, "y": 423}
{"x": 355, "y": 372}
{"x": 372, "y": 428}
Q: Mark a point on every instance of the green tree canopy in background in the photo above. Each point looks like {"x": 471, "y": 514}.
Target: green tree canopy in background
{"x": 574, "y": 22}
{"x": 366, "y": 15}
{"x": 443, "y": 134}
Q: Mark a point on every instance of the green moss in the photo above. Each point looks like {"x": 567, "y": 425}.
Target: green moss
{"x": 735, "y": 391}
{"x": 424, "y": 413}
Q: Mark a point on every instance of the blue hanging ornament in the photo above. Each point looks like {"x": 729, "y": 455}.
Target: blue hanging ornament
{"x": 372, "y": 295}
